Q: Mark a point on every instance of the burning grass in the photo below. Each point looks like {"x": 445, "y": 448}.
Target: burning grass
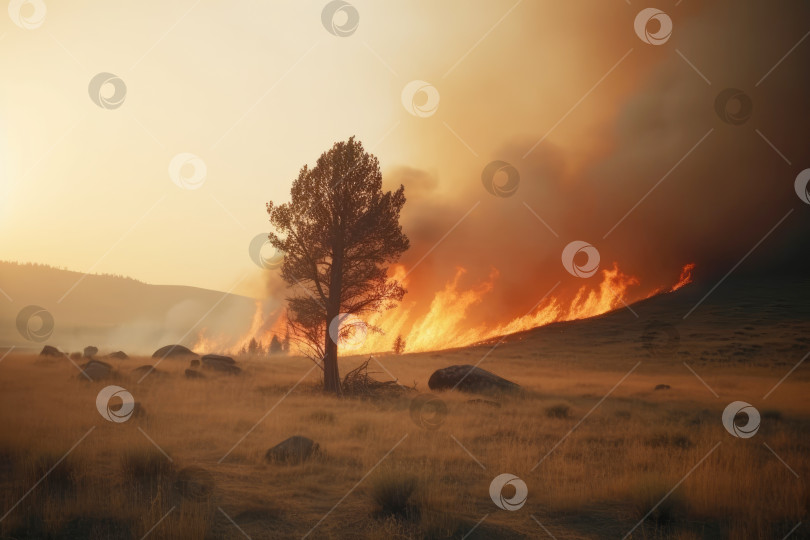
{"x": 599, "y": 482}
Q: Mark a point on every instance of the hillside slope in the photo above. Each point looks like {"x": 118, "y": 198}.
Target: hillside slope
{"x": 113, "y": 312}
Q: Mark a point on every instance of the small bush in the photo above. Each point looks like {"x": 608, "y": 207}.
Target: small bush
{"x": 650, "y": 492}
{"x": 392, "y": 492}
{"x": 558, "y": 411}
{"x": 322, "y": 417}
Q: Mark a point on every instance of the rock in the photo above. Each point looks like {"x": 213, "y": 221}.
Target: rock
{"x": 195, "y": 363}
{"x": 96, "y": 370}
{"x": 118, "y": 355}
{"x": 90, "y": 352}
{"x": 47, "y": 350}
{"x": 223, "y": 364}
{"x": 294, "y": 450}
{"x": 192, "y": 374}
{"x": 487, "y": 402}
{"x": 173, "y": 351}
{"x": 469, "y": 378}
{"x": 218, "y": 358}
{"x": 194, "y": 483}
{"x": 147, "y": 368}
{"x": 662, "y": 387}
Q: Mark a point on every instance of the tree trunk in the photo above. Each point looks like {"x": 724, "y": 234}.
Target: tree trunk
{"x": 331, "y": 374}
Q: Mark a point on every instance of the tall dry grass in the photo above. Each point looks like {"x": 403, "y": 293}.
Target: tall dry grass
{"x": 605, "y": 476}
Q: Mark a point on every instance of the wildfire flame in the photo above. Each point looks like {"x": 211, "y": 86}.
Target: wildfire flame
{"x": 686, "y": 277}
{"x": 445, "y": 323}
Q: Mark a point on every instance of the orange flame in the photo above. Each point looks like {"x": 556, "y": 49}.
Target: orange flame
{"x": 686, "y": 277}
{"x": 445, "y": 324}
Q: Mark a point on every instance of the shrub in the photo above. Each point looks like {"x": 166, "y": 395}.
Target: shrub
{"x": 558, "y": 411}
{"x": 392, "y": 491}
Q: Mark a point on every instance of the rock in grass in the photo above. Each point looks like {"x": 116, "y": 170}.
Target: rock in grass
{"x": 118, "y": 355}
{"x": 96, "y": 370}
{"x": 90, "y": 352}
{"x": 296, "y": 449}
{"x": 662, "y": 387}
{"x": 47, "y": 350}
{"x": 223, "y": 364}
{"x": 472, "y": 379}
{"x": 173, "y": 351}
{"x": 194, "y": 374}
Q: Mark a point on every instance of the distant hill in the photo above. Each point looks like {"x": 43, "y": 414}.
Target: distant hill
{"x": 113, "y": 311}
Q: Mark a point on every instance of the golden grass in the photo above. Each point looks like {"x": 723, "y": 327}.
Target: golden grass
{"x": 599, "y": 482}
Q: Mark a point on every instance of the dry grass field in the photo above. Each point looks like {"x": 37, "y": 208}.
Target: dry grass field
{"x": 380, "y": 475}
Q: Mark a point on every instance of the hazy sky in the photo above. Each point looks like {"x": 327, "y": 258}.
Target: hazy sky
{"x": 257, "y": 89}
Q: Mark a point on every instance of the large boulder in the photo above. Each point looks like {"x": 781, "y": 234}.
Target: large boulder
{"x": 96, "y": 370}
{"x": 173, "y": 351}
{"x": 294, "y": 450}
{"x": 223, "y": 364}
{"x": 469, "y": 378}
{"x": 47, "y": 350}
